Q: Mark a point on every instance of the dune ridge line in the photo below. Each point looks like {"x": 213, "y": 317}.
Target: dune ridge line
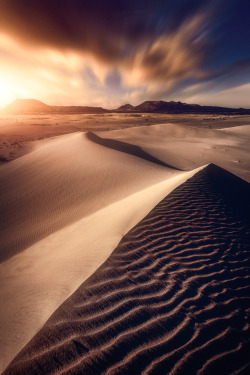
{"x": 57, "y": 265}
{"x": 172, "y": 298}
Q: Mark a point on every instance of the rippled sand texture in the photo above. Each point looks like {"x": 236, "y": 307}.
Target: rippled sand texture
{"x": 72, "y": 200}
{"x": 173, "y": 298}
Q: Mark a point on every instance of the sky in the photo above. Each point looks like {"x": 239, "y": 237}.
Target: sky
{"x": 112, "y": 52}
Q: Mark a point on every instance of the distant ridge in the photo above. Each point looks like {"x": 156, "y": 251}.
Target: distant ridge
{"x": 26, "y": 105}
{"x": 29, "y": 106}
{"x": 178, "y": 107}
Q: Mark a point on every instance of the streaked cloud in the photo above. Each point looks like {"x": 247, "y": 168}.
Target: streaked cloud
{"x": 110, "y": 52}
{"x": 235, "y": 97}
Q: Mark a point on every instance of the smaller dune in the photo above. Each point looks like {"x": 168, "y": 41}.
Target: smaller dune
{"x": 126, "y": 148}
{"x": 243, "y": 131}
{"x": 188, "y": 147}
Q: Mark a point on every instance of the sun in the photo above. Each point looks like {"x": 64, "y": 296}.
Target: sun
{"x": 9, "y": 91}
{"x": 6, "y": 93}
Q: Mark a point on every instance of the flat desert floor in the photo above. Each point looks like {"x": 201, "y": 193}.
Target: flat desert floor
{"x": 125, "y": 244}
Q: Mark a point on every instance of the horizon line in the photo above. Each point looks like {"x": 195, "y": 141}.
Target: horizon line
{"x": 121, "y": 105}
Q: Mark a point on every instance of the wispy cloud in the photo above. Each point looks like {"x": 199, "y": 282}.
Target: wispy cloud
{"x": 108, "y": 52}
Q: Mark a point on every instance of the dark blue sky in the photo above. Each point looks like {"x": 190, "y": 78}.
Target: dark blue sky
{"x": 142, "y": 49}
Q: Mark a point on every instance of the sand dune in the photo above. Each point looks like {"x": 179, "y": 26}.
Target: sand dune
{"x": 19, "y": 134}
{"x": 243, "y": 131}
{"x": 64, "y": 180}
{"x": 127, "y": 148}
{"x": 173, "y": 298}
{"x": 65, "y": 207}
{"x": 187, "y": 148}
{"x": 65, "y": 200}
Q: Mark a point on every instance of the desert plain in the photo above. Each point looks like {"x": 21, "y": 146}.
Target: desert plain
{"x": 125, "y": 244}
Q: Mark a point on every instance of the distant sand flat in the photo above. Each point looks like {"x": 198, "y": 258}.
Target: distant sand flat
{"x": 239, "y": 130}
{"x": 173, "y": 298}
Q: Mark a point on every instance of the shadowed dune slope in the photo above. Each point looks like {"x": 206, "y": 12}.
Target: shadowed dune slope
{"x": 126, "y": 148}
{"x": 173, "y": 298}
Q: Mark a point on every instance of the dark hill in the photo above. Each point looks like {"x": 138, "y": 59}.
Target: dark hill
{"x": 179, "y": 107}
{"x": 28, "y": 106}
{"x": 126, "y": 107}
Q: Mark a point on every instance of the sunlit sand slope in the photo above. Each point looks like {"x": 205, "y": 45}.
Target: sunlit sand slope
{"x": 66, "y": 179}
{"x": 173, "y": 298}
{"x": 63, "y": 210}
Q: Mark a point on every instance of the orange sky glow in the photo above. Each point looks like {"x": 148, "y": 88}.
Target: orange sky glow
{"x": 76, "y": 53}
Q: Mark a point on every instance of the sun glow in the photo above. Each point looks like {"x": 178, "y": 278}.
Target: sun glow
{"x": 8, "y": 93}
{"x": 12, "y": 74}
{"x": 48, "y": 75}
{"x": 34, "y": 74}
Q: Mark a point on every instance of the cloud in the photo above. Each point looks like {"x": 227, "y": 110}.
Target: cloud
{"x": 100, "y": 28}
{"x": 117, "y": 49}
{"x": 236, "y": 97}
{"x": 110, "y": 30}
{"x": 173, "y": 56}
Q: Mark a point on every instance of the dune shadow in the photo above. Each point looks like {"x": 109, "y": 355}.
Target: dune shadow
{"x": 127, "y": 148}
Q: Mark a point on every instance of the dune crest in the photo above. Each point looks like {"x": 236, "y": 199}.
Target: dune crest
{"x": 65, "y": 207}
{"x": 172, "y": 298}
{"x": 38, "y": 279}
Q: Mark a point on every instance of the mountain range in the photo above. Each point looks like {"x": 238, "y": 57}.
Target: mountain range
{"x": 177, "y": 107}
{"x": 29, "y": 106}
{"x": 32, "y": 106}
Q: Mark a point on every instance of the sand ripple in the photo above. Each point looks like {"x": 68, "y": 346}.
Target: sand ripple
{"x": 173, "y": 298}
